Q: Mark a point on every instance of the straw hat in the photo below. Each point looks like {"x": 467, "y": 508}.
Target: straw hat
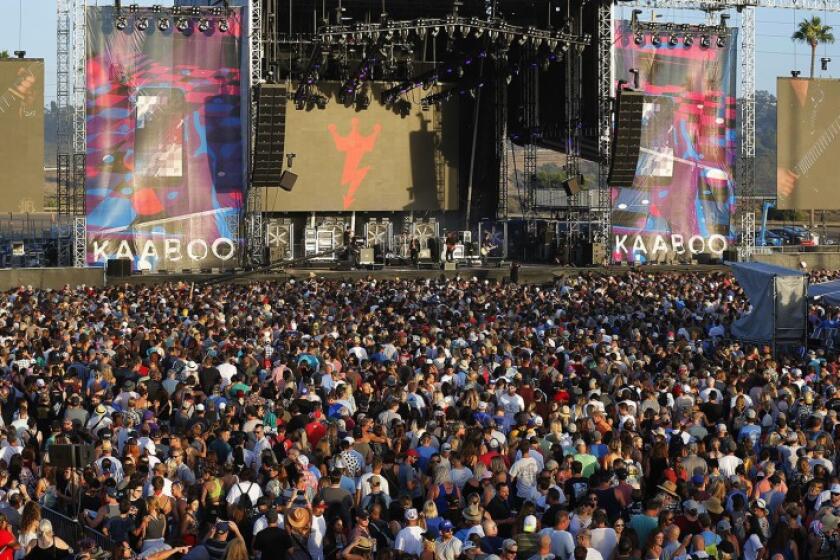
{"x": 473, "y": 513}
{"x": 713, "y": 505}
{"x": 669, "y": 487}
{"x": 299, "y": 519}
{"x": 364, "y": 544}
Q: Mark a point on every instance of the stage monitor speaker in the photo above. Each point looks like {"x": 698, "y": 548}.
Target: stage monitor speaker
{"x": 72, "y": 456}
{"x": 574, "y": 185}
{"x": 118, "y": 268}
{"x": 628, "y": 137}
{"x": 288, "y": 180}
{"x": 449, "y": 265}
{"x": 270, "y": 137}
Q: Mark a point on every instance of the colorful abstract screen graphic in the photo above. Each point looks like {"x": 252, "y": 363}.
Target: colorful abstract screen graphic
{"x": 165, "y": 175}
{"x": 684, "y": 186}
{"x": 22, "y": 138}
{"x": 374, "y": 159}
{"x": 808, "y": 119}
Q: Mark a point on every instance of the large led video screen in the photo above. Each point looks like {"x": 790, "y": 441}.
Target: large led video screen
{"x": 683, "y": 195}
{"x": 373, "y": 159}
{"x": 808, "y": 119}
{"x": 22, "y": 134}
{"x": 165, "y": 151}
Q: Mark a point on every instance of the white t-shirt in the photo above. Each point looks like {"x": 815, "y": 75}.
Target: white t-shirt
{"x": 315, "y": 545}
{"x": 751, "y": 547}
{"x": 251, "y": 488}
{"x": 604, "y": 541}
{"x": 410, "y": 541}
{"x": 227, "y": 371}
{"x": 364, "y": 484}
{"x": 525, "y": 472}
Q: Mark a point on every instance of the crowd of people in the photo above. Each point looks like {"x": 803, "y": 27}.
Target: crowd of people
{"x": 603, "y": 417}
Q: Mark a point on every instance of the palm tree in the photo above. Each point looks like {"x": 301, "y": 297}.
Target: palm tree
{"x": 4, "y": 54}
{"x": 813, "y": 32}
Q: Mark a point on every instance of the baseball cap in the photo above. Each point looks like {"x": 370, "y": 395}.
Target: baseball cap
{"x": 724, "y": 525}
{"x": 446, "y": 526}
{"x": 835, "y": 488}
{"x": 530, "y": 524}
{"x": 199, "y": 407}
{"x": 446, "y": 447}
{"x": 509, "y": 545}
{"x": 222, "y": 527}
{"x": 412, "y": 453}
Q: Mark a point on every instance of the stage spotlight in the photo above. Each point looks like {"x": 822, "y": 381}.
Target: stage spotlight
{"x": 203, "y": 25}
{"x": 673, "y": 40}
{"x": 705, "y": 42}
{"x": 134, "y": 8}
{"x": 321, "y": 102}
{"x": 143, "y": 24}
{"x": 639, "y": 39}
{"x": 721, "y": 42}
{"x": 163, "y": 24}
{"x": 656, "y": 40}
{"x": 182, "y": 24}
{"x": 157, "y": 8}
{"x": 196, "y": 11}
{"x": 688, "y": 41}
{"x": 121, "y": 23}
{"x": 223, "y": 26}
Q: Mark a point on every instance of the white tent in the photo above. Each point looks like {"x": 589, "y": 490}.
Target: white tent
{"x": 777, "y": 295}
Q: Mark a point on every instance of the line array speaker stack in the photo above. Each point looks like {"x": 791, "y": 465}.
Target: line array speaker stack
{"x": 628, "y": 138}
{"x": 118, "y": 268}
{"x": 270, "y": 138}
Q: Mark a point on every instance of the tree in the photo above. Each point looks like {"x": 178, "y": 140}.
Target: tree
{"x": 813, "y": 32}
{"x": 4, "y": 54}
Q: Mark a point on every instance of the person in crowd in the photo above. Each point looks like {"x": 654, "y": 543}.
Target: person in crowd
{"x": 604, "y": 416}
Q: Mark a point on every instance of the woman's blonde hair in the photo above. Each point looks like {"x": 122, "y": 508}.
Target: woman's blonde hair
{"x": 236, "y": 550}
{"x": 430, "y": 510}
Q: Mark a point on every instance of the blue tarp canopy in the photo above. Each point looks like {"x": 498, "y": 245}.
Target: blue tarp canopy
{"x": 826, "y": 292}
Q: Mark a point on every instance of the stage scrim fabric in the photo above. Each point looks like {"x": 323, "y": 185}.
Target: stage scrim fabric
{"x": 369, "y": 160}
{"x": 685, "y": 177}
{"x": 22, "y": 134}
{"x": 165, "y": 175}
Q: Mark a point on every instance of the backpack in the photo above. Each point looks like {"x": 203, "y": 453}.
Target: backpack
{"x": 244, "y": 498}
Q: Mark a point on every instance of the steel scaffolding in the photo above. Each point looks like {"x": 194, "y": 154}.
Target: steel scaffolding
{"x": 605, "y": 81}
{"x": 502, "y": 134}
{"x": 531, "y": 122}
{"x": 254, "y": 231}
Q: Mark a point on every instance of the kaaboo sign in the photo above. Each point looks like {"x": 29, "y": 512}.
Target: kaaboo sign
{"x": 154, "y": 253}
{"x": 656, "y": 245}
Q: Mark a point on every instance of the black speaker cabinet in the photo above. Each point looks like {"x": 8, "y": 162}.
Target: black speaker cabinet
{"x": 573, "y": 185}
{"x": 628, "y": 137}
{"x": 118, "y": 268}
{"x": 63, "y": 456}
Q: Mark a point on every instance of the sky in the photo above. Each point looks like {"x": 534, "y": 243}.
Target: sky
{"x": 31, "y": 25}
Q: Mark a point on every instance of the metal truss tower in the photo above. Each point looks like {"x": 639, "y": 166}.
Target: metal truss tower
{"x": 64, "y": 9}
{"x": 501, "y": 107}
{"x": 531, "y": 120}
{"x": 601, "y": 232}
{"x": 254, "y": 230}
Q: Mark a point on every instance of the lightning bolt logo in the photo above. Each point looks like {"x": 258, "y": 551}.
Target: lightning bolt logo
{"x": 354, "y": 146}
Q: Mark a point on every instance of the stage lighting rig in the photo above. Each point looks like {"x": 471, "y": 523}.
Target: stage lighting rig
{"x": 688, "y": 41}
{"x": 223, "y": 26}
{"x": 705, "y": 41}
{"x": 204, "y": 25}
{"x": 164, "y": 24}
{"x": 182, "y": 24}
{"x": 121, "y": 22}
{"x": 142, "y": 24}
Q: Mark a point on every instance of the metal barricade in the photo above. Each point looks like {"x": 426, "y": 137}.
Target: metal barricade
{"x": 73, "y": 532}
